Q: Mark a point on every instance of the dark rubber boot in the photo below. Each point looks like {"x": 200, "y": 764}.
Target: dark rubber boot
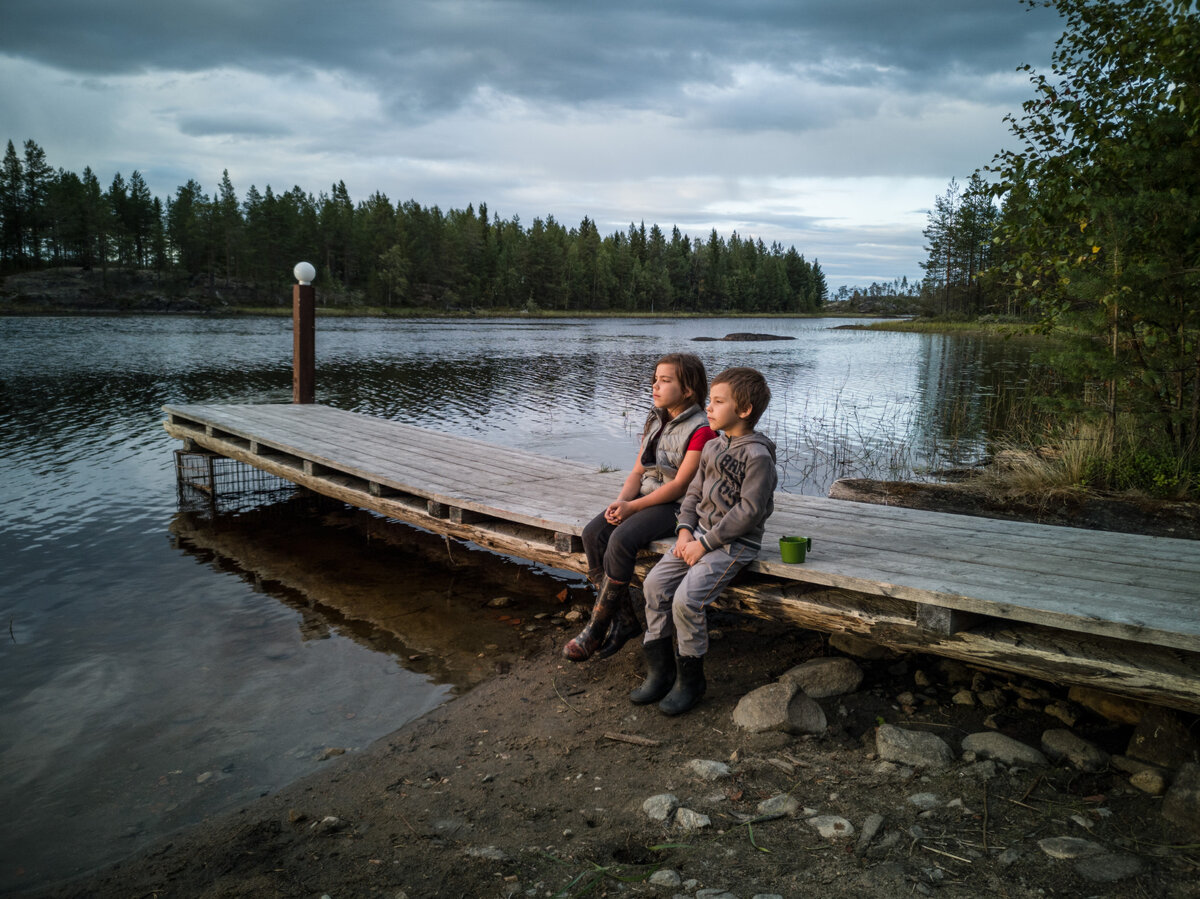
{"x": 588, "y": 640}
{"x": 660, "y": 671}
{"x": 624, "y": 625}
{"x": 689, "y": 687}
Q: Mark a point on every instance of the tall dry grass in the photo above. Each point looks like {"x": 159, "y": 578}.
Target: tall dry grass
{"x": 1088, "y": 456}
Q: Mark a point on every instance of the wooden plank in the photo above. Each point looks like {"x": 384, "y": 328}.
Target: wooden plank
{"x": 1054, "y": 540}
{"x": 512, "y": 538}
{"x": 285, "y": 407}
{"x": 390, "y": 437}
{"x": 341, "y": 446}
{"x": 449, "y": 492}
{"x": 975, "y": 567}
{"x": 1066, "y": 545}
{"x": 1140, "y": 670}
{"x": 448, "y": 480}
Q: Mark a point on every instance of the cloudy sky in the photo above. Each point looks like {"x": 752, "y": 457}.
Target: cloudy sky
{"x": 828, "y": 125}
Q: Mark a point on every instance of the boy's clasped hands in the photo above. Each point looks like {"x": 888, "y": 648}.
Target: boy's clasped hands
{"x": 687, "y": 548}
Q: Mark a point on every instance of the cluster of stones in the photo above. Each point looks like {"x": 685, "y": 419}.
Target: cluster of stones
{"x": 1160, "y": 759}
{"x": 981, "y": 752}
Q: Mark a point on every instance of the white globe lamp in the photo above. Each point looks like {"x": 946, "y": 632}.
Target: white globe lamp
{"x": 304, "y": 272}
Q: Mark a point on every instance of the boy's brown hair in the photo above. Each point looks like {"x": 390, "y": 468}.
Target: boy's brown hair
{"x": 691, "y": 374}
{"x": 749, "y": 390}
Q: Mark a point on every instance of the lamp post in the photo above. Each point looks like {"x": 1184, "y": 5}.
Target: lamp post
{"x": 303, "y": 334}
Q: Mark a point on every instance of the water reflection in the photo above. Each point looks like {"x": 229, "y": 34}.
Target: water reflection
{"x": 968, "y": 388}
{"x": 445, "y": 610}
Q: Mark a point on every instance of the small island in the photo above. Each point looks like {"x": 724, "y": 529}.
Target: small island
{"x": 746, "y": 335}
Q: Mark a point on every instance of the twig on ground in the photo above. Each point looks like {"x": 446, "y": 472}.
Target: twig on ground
{"x": 1033, "y": 786}
{"x": 958, "y": 858}
{"x": 564, "y": 699}
{"x": 409, "y": 826}
{"x": 630, "y": 738}
{"x": 985, "y": 816}
{"x": 782, "y": 766}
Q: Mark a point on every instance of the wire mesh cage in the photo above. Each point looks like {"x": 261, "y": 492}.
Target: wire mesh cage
{"x": 212, "y": 482}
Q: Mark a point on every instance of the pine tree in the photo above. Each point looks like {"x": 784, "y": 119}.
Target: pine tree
{"x": 37, "y": 182}
{"x": 12, "y": 209}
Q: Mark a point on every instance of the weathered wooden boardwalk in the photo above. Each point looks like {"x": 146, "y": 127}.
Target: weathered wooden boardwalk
{"x": 1119, "y": 612}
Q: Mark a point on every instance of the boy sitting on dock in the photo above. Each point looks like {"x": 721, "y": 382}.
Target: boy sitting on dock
{"x": 719, "y": 531}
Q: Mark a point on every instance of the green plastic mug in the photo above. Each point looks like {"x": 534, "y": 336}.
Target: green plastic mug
{"x": 792, "y": 549}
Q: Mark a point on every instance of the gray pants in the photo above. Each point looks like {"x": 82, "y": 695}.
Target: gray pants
{"x": 677, "y": 595}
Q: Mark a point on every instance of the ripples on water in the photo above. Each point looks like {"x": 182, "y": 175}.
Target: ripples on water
{"x": 162, "y": 666}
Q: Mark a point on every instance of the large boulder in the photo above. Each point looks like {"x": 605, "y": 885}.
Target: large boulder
{"x": 1182, "y": 803}
{"x": 915, "y": 748}
{"x": 991, "y": 745}
{"x": 822, "y": 678}
{"x": 779, "y": 706}
{"x": 1061, "y": 745}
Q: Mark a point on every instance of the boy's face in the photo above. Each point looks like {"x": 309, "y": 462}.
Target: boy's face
{"x": 723, "y": 414}
{"x": 667, "y": 391}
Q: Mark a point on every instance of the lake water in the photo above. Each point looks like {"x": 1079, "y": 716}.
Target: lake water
{"x": 162, "y": 661}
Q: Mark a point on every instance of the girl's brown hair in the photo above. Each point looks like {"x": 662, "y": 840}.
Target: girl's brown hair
{"x": 691, "y": 374}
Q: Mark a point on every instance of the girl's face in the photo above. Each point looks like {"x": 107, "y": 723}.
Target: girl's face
{"x": 667, "y": 391}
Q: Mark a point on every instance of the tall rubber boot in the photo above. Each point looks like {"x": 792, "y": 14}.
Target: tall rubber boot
{"x": 624, "y": 625}
{"x": 689, "y": 686}
{"x": 660, "y": 671}
{"x": 588, "y": 640}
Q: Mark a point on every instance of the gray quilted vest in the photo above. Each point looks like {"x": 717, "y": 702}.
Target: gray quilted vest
{"x": 673, "y": 436}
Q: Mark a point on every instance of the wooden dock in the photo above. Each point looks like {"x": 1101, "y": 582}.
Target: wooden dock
{"x": 1118, "y": 612}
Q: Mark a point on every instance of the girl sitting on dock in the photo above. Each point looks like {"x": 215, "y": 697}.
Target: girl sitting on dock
{"x": 675, "y": 432}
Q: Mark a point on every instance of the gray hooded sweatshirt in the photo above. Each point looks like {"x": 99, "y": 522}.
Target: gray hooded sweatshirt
{"x": 732, "y": 494}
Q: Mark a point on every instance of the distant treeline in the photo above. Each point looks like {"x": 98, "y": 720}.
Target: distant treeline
{"x": 378, "y": 253}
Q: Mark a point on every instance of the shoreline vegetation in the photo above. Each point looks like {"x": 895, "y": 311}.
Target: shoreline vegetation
{"x": 17, "y": 309}
{"x": 78, "y": 291}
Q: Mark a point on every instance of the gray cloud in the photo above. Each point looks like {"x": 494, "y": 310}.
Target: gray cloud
{"x": 700, "y": 113}
{"x": 436, "y": 54}
{"x": 218, "y": 126}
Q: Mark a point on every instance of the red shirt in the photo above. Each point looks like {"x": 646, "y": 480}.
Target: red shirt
{"x": 702, "y": 435}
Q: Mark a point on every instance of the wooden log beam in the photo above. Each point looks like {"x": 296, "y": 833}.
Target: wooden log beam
{"x": 1159, "y": 675}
